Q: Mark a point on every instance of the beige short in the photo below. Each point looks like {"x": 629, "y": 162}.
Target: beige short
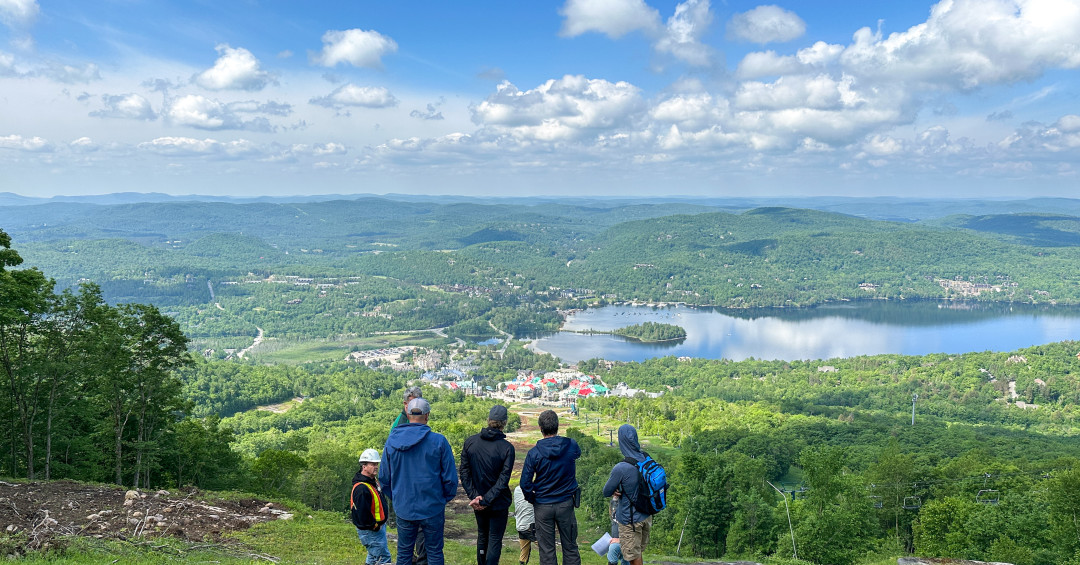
{"x": 634, "y": 538}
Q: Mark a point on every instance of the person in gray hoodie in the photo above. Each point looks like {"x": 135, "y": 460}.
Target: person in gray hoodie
{"x": 623, "y": 483}
{"x": 549, "y": 482}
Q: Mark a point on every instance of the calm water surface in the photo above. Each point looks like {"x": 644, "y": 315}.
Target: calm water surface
{"x": 846, "y": 330}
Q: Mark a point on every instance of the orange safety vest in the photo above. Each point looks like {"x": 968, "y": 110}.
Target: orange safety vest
{"x": 376, "y": 502}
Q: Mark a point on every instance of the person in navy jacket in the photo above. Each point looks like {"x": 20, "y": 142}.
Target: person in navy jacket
{"x": 419, "y": 475}
{"x": 549, "y": 482}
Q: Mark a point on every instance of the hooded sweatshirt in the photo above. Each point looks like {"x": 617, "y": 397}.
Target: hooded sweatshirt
{"x": 487, "y": 460}
{"x": 549, "y": 473}
{"x": 418, "y": 472}
{"x": 368, "y": 506}
{"x": 624, "y": 477}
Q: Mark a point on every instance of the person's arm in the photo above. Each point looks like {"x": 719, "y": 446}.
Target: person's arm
{"x": 465, "y": 472}
{"x": 386, "y": 476}
{"x": 614, "y": 481}
{"x": 449, "y": 474}
{"x": 503, "y": 481}
{"x": 527, "y": 479}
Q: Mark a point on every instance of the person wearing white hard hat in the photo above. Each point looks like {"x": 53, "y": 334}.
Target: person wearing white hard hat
{"x": 367, "y": 508}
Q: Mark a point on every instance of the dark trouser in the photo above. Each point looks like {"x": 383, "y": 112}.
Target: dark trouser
{"x": 559, "y": 515}
{"x": 411, "y": 531}
{"x": 490, "y": 527}
{"x": 420, "y": 550}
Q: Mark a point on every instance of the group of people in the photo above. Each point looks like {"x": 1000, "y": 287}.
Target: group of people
{"x": 417, "y": 476}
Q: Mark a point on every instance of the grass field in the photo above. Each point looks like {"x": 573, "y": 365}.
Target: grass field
{"x": 307, "y": 351}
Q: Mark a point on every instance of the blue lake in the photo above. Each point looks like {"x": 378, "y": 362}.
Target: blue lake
{"x": 841, "y": 330}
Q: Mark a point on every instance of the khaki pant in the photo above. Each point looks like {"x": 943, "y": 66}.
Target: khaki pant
{"x": 526, "y": 539}
{"x": 634, "y": 538}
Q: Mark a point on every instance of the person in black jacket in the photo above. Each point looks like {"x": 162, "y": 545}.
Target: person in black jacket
{"x": 487, "y": 460}
{"x": 367, "y": 508}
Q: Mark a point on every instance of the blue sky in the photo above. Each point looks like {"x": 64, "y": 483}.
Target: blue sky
{"x": 960, "y": 98}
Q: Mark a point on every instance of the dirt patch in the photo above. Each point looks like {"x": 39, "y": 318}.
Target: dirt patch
{"x": 40, "y": 511}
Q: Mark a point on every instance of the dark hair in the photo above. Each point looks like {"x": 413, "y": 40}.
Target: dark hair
{"x": 549, "y": 422}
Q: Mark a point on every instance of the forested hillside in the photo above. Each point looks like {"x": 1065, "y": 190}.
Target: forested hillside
{"x": 325, "y": 270}
{"x": 104, "y": 381}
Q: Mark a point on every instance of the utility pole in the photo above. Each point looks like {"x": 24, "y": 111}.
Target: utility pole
{"x": 914, "y": 397}
{"x": 794, "y": 552}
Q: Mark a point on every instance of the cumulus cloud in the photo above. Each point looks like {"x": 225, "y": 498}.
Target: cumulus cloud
{"x": 1063, "y": 135}
{"x": 200, "y": 112}
{"x": 766, "y": 24}
{"x": 126, "y": 106}
{"x": 680, "y": 38}
{"x": 83, "y": 145}
{"x": 352, "y": 95}
{"x": 432, "y": 112}
{"x": 356, "y": 47}
{"x": 190, "y": 147}
{"x": 30, "y": 144}
{"x": 558, "y": 110}
{"x": 766, "y": 63}
{"x": 965, "y": 44}
{"x": 18, "y": 13}
{"x": 684, "y": 31}
{"x": 614, "y": 18}
{"x": 235, "y": 69}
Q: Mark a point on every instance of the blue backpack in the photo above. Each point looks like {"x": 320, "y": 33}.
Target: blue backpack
{"x": 652, "y": 485}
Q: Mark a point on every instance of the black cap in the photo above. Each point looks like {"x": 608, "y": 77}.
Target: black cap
{"x": 497, "y": 413}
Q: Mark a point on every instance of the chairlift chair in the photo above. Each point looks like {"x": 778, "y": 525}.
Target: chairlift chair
{"x": 876, "y": 500}
{"x": 912, "y": 503}
{"x": 987, "y": 496}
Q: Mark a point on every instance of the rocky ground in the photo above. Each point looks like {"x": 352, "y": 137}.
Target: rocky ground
{"x": 38, "y": 512}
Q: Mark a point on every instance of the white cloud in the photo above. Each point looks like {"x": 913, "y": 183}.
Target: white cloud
{"x": 819, "y": 54}
{"x": 235, "y": 69}
{"x": 969, "y": 43}
{"x": 190, "y": 147}
{"x": 128, "y": 106}
{"x": 31, "y": 144}
{"x": 199, "y": 112}
{"x": 559, "y": 110}
{"x": 690, "y": 111}
{"x": 766, "y": 63}
{"x": 357, "y": 47}
{"x": 83, "y": 145}
{"x": 680, "y": 38}
{"x": 766, "y": 24}
{"x": 18, "y": 13}
{"x": 613, "y": 18}
{"x": 72, "y": 74}
{"x": 684, "y": 31}
{"x": 321, "y": 149}
{"x": 352, "y": 95}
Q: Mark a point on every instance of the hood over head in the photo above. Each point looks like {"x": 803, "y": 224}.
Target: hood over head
{"x": 628, "y": 443}
{"x": 407, "y": 436}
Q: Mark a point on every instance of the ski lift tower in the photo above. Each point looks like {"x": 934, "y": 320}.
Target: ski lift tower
{"x": 914, "y": 397}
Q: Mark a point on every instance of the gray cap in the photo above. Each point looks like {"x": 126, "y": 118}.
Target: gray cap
{"x": 418, "y": 407}
{"x": 497, "y": 413}
{"x": 413, "y": 392}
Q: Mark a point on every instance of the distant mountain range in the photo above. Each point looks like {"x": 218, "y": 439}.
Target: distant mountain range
{"x": 879, "y": 208}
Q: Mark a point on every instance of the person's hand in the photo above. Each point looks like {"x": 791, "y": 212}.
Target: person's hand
{"x": 475, "y": 503}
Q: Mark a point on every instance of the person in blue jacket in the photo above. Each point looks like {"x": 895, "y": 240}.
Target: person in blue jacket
{"x": 419, "y": 475}
{"x": 549, "y": 482}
